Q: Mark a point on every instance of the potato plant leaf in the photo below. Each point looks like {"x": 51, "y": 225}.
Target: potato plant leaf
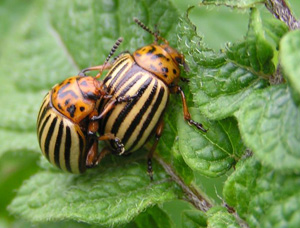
{"x": 262, "y": 196}
{"x": 267, "y": 122}
{"x": 289, "y": 54}
{"x": 109, "y": 195}
{"x": 220, "y": 218}
{"x": 193, "y": 219}
{"x": 221, "y": 81}
{"x": 212, "y": 153}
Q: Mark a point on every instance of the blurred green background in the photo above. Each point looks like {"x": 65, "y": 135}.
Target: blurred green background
{"x": 218, "y": 25}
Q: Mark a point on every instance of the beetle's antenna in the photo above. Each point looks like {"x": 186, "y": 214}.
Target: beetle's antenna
{"x": 106, "y": 64}
{"x": 113, "y": 50}
{"x": 155, "y": 34}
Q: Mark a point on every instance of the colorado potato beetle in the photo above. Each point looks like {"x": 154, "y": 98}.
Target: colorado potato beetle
{"x": 67, "y": 133}
{"x": 148, "y": 75}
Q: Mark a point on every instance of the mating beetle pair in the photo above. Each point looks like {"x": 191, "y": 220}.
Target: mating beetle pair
{"x": 123, "y": 109}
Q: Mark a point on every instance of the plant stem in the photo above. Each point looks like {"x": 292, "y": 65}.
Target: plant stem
{"x": 193, "y": 196}
{"x": 280, "y": 10}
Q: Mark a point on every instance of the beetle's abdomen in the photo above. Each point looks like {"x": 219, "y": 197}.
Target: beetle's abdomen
{"x": 61, "y": 141}
{"x": 132, "y": 122}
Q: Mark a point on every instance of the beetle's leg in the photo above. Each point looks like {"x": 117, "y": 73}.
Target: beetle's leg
{"x": 126, "y": 98}
{"x": 119, "y": 145}
{"x": 92, "y": 154}
{"x": 112, "y": 104}
{"x": 93, "y": 151}
{"x": 105, "y": 150}
{"x": 93, "y": 158}
{"x": 186, "y": 113}
{"x": 102, "y": 154}
{"x": 108, "y": 107}
{"x": 158, "y": 132}
{"x": 99, "y": 68}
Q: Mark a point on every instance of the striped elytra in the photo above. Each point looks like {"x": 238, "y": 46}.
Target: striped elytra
{"x": 64, "y": 127}
{"x": 132, "y": 122}
{"x": 62, "y": 142}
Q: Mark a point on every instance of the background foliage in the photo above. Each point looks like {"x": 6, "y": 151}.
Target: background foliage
{"x": 249, "y": 160}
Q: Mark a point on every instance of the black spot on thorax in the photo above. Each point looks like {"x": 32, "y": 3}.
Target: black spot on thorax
{"x": 71, "y": 110}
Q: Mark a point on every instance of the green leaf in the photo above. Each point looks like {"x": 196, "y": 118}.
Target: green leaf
{"x": 233, "y": 3}
{"x": 94, "y": 26}
{"x": 230, "y": 127}
{"x": 66, "y": 224}
{"x": 10, "y": 13}
{"x": 109, "y": 195}
{"x": 154, "y": 217}
{"x": 267, "y": 121}
{"x": 194, "y": 219}
{"x": 255, "y": 53}
{"x": 24, "y": 120}
{"x": 289, "y": 55}
{"x": 212, "y": 153}
{"x": 241, "y": 185}
{"x": 218, "y": 217}
{"x": 222, "y": 220}
{"x": 221, "y": 81}
{"x": 274, "y": 30}
{"x": 17, "y": 141}
{"x": 262, "y": 196}
{"x": 15, "y": 167}
{"x": 40, "y": 60}
{"x": 176, "y": 208}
